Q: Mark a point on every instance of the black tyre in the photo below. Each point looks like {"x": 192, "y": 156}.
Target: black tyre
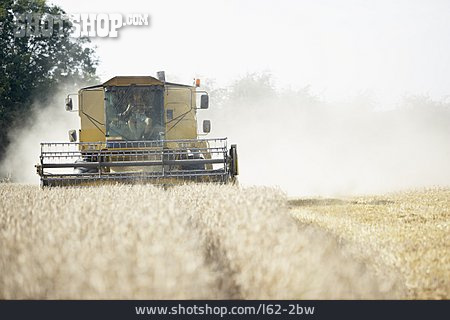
{"x": 234, "y": 167}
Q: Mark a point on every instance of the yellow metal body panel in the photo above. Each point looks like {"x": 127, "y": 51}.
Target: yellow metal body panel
{"x": 92, "y": 115}
{"x": 129, "y": 80}
{"x": 92, "y": 106}
{"x": 180, "y": 103}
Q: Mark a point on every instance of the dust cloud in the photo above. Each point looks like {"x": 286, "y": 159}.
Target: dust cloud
{"x": 307, "y": 146}
{"x": 46, "y": 123}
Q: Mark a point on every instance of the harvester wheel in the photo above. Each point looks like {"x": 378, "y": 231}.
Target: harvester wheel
{"x": 234, "y": 168}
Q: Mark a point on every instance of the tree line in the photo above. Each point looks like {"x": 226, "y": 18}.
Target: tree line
{"x": 34, "y": 64}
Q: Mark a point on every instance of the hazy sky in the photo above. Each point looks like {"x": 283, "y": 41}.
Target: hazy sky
{"x": 386, "y": 48}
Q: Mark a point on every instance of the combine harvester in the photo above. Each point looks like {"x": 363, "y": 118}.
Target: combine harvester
{"x": 138, "y": 130}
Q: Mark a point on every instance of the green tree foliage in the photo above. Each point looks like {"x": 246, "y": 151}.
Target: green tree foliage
{"x": 34, "y": 65}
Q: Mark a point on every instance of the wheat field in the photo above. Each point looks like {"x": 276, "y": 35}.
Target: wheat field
{"x": 211, "y": 242}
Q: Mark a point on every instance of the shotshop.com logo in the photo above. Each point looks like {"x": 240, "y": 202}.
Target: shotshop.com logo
{"x": 77, "y": 24}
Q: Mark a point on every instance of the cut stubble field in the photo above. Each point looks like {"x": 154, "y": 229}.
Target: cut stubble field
{"x": 211, "y": 241}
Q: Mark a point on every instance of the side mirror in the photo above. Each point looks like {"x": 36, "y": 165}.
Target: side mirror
{"x": 72, "y": 135}
{"x": 69, "y": 105}
{"x": 206, "y": 126}
{"x": 204, "y": 101}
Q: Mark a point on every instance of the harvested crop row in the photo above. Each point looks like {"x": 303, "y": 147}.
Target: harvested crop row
{"x": 408, "y": 233}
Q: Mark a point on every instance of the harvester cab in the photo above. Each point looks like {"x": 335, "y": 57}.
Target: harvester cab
{"x": 138, "y": 129}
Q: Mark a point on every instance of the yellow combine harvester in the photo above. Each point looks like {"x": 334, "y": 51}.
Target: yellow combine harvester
{"x": 138, "y": 129}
